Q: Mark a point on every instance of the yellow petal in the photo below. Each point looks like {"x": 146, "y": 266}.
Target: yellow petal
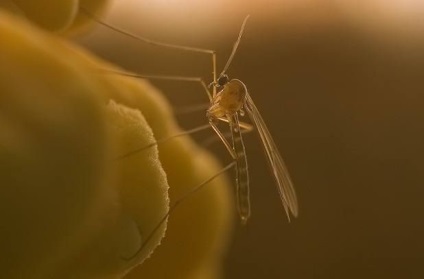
{"x": 61, "y": 188}
{"x": 70, "y": 209}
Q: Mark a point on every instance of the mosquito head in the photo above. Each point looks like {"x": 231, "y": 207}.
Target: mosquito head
{"x": 222, "y": 80}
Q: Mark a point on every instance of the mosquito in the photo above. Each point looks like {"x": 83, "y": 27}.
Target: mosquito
{"x": 229, "y": 100}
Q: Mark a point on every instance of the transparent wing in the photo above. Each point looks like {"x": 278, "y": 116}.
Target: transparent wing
{"x": 285, "y": 186}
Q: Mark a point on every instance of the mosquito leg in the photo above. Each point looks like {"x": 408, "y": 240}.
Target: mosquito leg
{"x": 223, "y": 139}
{"x": 184, "y": 133}
{"x": 174, "y": 78}
{"x": 141, "y": 38}
{"x": 190, "y": 109}
{"x": 243, "y": 125}
{"x": 155, "y": 43}
{"x": 245, "y": 128}
{"x": 174, "y": 206}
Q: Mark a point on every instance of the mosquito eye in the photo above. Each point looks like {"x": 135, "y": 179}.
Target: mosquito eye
{"x": 222, "y": 80}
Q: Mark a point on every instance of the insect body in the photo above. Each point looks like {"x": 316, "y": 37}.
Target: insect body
{"x": 227, "y": 105}
{"x": 227, "y": 101}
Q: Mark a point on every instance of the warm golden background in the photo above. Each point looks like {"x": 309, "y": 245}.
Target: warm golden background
{"x": 341, "y": 86}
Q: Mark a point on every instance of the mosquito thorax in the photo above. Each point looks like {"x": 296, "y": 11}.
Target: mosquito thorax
{"x": 229, "y": 100}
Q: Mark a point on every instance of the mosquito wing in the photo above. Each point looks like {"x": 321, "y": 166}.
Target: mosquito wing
{"x": 285, "y": 186}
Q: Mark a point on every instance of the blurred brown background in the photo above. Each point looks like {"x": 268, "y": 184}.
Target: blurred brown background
{"x": 340, "y": 85}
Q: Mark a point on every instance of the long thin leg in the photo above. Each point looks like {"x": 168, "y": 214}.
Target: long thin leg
{"x": 223, "y": 139}
{"x": 173, "y": 207}
{"x": 244, "y": 127}
{"x": 181, "y": 110}
{"x": 175, "y": 78}
{"x": 156, "y": 43}
{"x": 140, "y": 38}
{"x": 184, "y": 133}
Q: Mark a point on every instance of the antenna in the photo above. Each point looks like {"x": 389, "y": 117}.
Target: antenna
{"x": 236, "y": 44}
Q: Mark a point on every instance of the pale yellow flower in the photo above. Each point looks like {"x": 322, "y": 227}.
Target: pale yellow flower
{"x": 68, "y": 207}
